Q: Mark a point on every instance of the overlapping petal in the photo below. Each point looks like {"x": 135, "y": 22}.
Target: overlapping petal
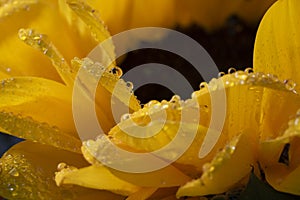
{"x": 27, "y": 172}
{"x": 280, "y": 159}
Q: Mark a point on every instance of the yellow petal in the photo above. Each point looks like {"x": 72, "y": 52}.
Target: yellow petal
{"x": 123, "y": 15}
{"x": 278, "y": 41}
{"x": 41, "y": 43}
{"x": 280, "y": 161}
{"x": 166, "y": 177}
{"x": 40, "y": 110}
{"x": 227, "y": 168}
{"x": 96, "y": 85}
{"x": 96, "y": 177}
{"x": 97, "y": 27}
{"x": 249, "y": 105}
{"x": 33, "y": 14}
{"x": 27, "y": 172}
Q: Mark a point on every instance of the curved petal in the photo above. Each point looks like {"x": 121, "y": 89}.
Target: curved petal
{"x": 38, "y": 109}
{"x": 112, "y": 96}
{"x": 280, "y": 159}
{"x": 250, "y": 105}
{"x": 96, "y": 177}
{"x": 278, "y": 41}
{"x": 67, "y": 38}
{"x": 27, "y": 172}
{"x": 236, "y": 160}
{"x": 166, "y": 177}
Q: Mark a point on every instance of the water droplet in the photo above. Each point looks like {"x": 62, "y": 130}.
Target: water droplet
{"x": 249, "y": 70}
{"x": 231, "y": 70}
{"x": 164, "y": 105}
{"x": 14, "y": 172}
{"x": 175, "y": 99}
{"x": 125, "y": 117}
{"x": 117, "y": 71}
{"x": 61, "y": 166}
{"x": 230, "y": 149}
{"x": 45, "y": 50}
{"x": 151, "y": 103}
{"x": 241, "y": 75}
{"x": 129, "y": 85}
{"x": 203, "y": 85}
{"x": 220, "y": 74}
{"x": 289, "y": 84}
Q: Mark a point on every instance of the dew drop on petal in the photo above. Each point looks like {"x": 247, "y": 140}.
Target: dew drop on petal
{"x": 14, "y": 172}
{"x": 117, "y": 71}
{"x": 203, "y": 85}
{"x": 289, "y": 84}
{"x": 231, "y": 70}
{"x": 61, "y": 166}
{"x": 249, "y": 70}
{"x": 129, "y": 85}
{"x": 220, "y": 74}
{"x": 125, "y": 117}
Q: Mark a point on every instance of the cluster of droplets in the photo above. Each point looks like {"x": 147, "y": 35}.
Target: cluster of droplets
{"x": 26, "y": 127}
{"x": 20, "y": 178}
{"x": 102, "y": 150}
{"x": 42, "y": 43}
{"x": 154, "y": 107}
{"x": 110, "y": 74}
{"x": 13, "y": 6}
{"x": 219, "y": 159}
{"x": 15, "y": 172}
{"x": 247, "y": 77}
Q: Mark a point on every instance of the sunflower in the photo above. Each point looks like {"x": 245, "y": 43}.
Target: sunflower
{"x": 260, "y": 132}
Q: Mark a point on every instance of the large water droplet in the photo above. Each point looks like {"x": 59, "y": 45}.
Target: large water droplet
{"x": 117, "y": 71}
{"x": 14, "y": 172}
{"x": 125, "y": 117}
{"x": 61, "y": 166}
{"x": 231, "y": 70}
{"x": 249, "y": 70}
{"x": 289, "y": 84}
{"x": 203, "y": 85}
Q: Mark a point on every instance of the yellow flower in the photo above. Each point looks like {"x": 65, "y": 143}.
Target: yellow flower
{"x": 256, "y": 128}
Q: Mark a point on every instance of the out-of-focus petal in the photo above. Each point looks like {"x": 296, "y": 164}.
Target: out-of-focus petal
{"x": 33, "y": 14}
{"x": 27, "y": 172}
{"x": 96, "y": 177}
{"x": 277, "y": 42}
{"x": 235, "y": 159}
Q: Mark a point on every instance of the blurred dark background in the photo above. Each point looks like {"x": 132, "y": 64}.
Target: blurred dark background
{"x": 230, "y": 46}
